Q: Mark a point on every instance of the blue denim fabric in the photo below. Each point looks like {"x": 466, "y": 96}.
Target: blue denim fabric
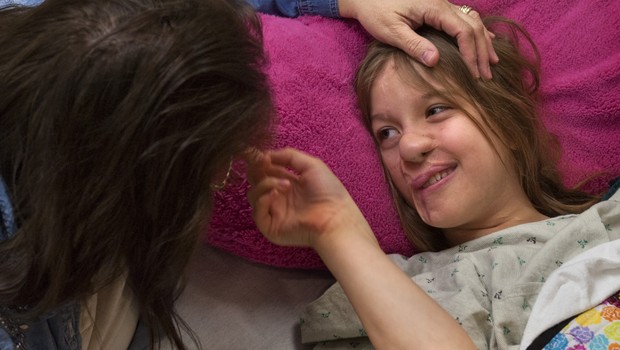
{"x": 20, "y": 2}
{"x": 59, "y": 331}
{"x": 294, "y": 8}
{"x": 6, "y": 343}
{"x": 285, "y": 8}
{"x": 7, "y": 222}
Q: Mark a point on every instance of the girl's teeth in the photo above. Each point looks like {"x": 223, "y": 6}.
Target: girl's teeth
{"x": 435, "y": 178}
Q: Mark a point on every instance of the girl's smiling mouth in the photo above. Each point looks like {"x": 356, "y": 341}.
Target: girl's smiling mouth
{"x": 437, "y": 177}
{"x": 431, "y": 177}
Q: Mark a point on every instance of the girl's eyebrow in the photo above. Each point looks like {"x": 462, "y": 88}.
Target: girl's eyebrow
{"x": 379, "y": 116}
{"x": 429, "y": 95}
{"x": 433, "y": 94}
{"x": 424, "y": 97}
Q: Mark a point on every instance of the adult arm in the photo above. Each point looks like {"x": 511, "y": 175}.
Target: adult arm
{"x": 298, "y": 201}
{"x": 394, "y": 22}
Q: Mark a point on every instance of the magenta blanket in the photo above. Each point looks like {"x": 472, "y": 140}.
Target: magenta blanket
{"x": 313, "y": 61}
{"x": 579, "y": 43}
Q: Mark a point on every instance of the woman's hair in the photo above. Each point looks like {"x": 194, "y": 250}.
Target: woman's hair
{"x": 509, "y": 104}
{"x": 115, "y": 116}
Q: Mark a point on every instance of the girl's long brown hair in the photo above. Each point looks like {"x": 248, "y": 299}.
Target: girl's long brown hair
{"x": 509, "y": 104}
{"x": 115, "y": 116}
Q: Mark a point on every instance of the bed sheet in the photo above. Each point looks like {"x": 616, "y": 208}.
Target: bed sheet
{"x": 232, "y": 303}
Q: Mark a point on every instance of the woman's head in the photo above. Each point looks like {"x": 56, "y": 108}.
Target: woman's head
{"x": 115, "y": 117}
{"x": 504, "y": 110}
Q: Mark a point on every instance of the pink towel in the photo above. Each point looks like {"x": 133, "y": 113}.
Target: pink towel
{"x": 313, "y": 61}
{"x": 580, "y": 57}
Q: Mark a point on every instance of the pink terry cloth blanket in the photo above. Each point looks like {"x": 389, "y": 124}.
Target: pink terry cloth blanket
{"x": 313, "y": 62}
{"x": 580, "y": 59}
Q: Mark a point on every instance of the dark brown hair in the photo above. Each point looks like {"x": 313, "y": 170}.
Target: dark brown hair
{"x": 509, "y": 104}
{"x": 115, "y": 116}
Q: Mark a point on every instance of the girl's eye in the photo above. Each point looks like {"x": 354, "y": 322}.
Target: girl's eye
{"x": 385, "y": 133}
{"x": 436, "y": 110}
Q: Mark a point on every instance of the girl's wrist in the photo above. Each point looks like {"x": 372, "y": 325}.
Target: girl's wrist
{"x": 352, "y": 227}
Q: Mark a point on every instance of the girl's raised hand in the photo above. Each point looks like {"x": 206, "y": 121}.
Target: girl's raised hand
{"x": 296, "y": 198}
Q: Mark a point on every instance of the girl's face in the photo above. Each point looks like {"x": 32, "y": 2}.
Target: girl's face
{"x": 441, "y": 162}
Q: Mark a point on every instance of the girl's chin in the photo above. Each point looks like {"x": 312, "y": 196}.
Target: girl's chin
{"x": 437, "y": 219}
{"x": 438, "y": 215}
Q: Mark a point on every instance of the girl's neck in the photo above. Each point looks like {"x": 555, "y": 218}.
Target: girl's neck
{"x": 524, "y": 215}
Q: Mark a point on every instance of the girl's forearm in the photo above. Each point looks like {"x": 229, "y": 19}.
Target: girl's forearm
{"x": 395, "y": 312}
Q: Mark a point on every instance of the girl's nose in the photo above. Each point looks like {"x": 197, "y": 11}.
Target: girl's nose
{"x": 414, "y": 147}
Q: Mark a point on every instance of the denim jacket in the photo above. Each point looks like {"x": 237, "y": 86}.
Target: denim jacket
{"x": 57, "y": 330}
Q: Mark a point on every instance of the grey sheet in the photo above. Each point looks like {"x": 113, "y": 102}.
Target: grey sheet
{"x": 233, "y": 304}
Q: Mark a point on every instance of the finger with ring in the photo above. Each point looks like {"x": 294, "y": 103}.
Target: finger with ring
{"x": 465, "y": 9}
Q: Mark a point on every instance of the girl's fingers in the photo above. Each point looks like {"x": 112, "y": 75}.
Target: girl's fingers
{"x": 293, "y": 159}
{"x": 265, "y": 187}
{"x": 261, "y": 165}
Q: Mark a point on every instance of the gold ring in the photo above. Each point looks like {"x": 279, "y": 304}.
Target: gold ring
{"x": 465, "y": 9}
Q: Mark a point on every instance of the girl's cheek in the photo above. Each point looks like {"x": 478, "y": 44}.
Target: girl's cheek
{"x": 392, "y": 164}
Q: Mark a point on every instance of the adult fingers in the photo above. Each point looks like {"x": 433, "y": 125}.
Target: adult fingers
{"x": 414, "y": 45}
{"x": 483, "y": 41}
{"x": 472, "y": 37}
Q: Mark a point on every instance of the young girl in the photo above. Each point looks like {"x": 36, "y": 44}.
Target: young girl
{"x": 474, "y": 177}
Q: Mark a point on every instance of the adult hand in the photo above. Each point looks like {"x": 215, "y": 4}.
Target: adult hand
{"x": 296, "y": 198}
{"x": 392, "y": 21}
